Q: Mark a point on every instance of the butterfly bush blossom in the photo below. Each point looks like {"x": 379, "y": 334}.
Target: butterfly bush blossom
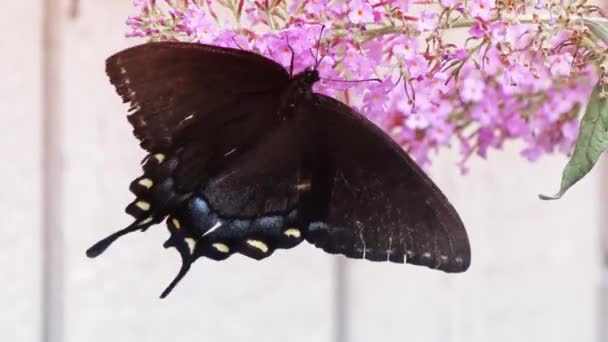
{"x": 507, "y": 70}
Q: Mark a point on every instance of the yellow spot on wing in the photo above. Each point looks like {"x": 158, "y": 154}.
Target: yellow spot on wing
{"x": 221, "y": 247}
{"x": 143, "y": 205}
{"x": 292, "y": 232}
{"x": 146, "y": 221}
{"x": 146, "y": 182}
{"x": 176, "y": 223}
{"x": 159, "y": 157}
{"x": 259, "y": 245}
{"x": 191, "y": 244}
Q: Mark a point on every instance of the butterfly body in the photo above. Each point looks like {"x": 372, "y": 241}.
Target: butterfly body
{"x": 299, "y": 89}
{"x": 245, "y": 158}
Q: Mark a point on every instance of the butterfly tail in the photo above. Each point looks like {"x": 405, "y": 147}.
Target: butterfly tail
{"x": 155, "y": 198}
{"x": 99, "y": 247}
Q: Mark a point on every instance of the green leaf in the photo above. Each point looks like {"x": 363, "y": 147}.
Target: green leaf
{"x": 591, "y": 142}
{"x": 599, "y": 29}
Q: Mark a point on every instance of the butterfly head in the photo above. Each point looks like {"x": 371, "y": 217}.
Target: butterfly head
{"x": 308, "y": 77}
{"x": 301, "y": 85}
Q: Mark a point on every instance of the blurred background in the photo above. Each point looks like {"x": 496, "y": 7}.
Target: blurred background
{"x": 68, "y": 156}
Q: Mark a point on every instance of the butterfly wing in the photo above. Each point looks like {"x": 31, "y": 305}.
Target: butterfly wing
{"x": 195, "y": 108}
{"x": 330, "y": 176}
{"x": 250, "y": 205}
{"x": 169, "y": 84}
{"x": 236, "y": 192}
{"x": 382, "y": 206}
{"x": 231, "y": 174}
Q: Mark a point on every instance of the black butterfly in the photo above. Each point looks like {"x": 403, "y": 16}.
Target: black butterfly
{"x": 246, "y": 158}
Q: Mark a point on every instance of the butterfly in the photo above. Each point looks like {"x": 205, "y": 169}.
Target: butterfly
{"x": 243, "y": 157}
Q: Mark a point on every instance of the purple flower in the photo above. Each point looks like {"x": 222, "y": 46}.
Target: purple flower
{"x": 512, "y": 82}
{"x": 498, "y": 30}
{"x": 437, "y": 85}
{"x": 492, "y": 61}
{"x": 519, "y": 36}
{"x": 481, "y": 8}
{"x": 356, "y": 62}
{"x": 279, "y": 50}
{"x": 231, "y": 39}
{"x": 403, "y": 5}
{"x": 450, "y": 3}
{"x": 140, "y": 4}
{"x": 486, "y": 138}
{"x": 314, "y": 6}
{"x": 192, "y": 18}
{"x": 513, "y": 76}
{"x": 561, "y": 64}
{"x": 532, "y": 153}
{"x": 486, "y": 111}
{"x": 326, "y": 67}
{"x": 420, "y": 153}
{"x": 260, "y": 44}
{"x": 360, "y": 12}
{"x": 477, "y": 30}
{"x": 441, "y": 133}
{"x": 416, "y": 121}
{"x": 472, "y": 89}
{"x": 299, "y": 40}
{"x": 459, "y": 54}
{"x": 560, "y": 38}
{"x": 416, "y": 66}
{"x": 376, "y": 96}
{"x": 401, "y": 104}
{"x": 516, "y": 125}
{"x": 199, "y": 24}
{"x": 405, "y": 48}
{"x": 564, "y": 101}
{"x": 374, "y": 51}
{"x": 569, "y": 131}
{"x": 254, "y": 15}
{"x": 427, "y": 21}
{"x": 437, "y": 113}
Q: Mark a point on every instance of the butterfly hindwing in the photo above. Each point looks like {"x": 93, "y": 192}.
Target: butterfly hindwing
{"x": 249, "y": 206}
{"x": 206, "y": 150}
{"x": 382, "y": 206}
{"x": 266, "y": 182}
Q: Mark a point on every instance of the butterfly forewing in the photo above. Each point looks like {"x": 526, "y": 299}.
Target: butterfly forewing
{"x": 169, "y": 82}
{"x": 382, "y": 205}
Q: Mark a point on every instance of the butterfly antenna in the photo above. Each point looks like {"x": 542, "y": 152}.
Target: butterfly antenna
{"x": 102, "y": 245}
{"x": 353, "y": 81}
{"x": 182, "y": 272}
{"x": 292, "y": 56}
{"x": 317, "y": 60}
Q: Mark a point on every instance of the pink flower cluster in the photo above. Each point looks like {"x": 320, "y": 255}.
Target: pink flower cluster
{"x": 510, "y": 71}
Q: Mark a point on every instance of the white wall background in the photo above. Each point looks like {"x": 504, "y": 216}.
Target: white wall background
{"x": 536, "y": 273}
